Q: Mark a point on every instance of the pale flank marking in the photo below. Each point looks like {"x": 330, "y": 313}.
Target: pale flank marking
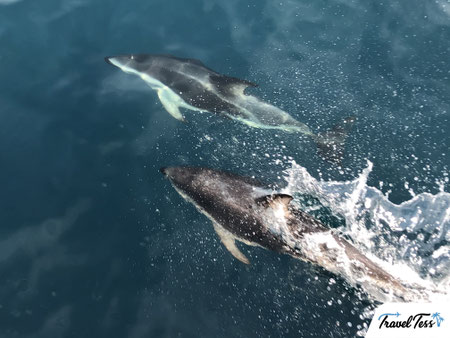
{"x": 249, "y": 118}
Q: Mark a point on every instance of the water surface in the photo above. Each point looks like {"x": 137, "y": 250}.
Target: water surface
{"x": 95, "y": 243}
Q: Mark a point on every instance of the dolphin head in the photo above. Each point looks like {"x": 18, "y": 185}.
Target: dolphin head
{"x": 196, "y": 183}
{"x": 131, "y": 62}
{"x": 183, "y": 177}
{"x": 212, "y": 189}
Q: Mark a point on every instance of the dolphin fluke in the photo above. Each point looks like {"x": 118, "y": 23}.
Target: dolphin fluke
{"x": 331, "y": 143}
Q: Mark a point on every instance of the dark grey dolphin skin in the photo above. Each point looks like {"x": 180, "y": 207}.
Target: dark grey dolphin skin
{"x": 189, "y": 84}
{"x": 245, "y": 210}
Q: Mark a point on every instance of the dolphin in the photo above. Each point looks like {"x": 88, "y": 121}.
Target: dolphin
{"x": 242, "y": 209}
{"x": 189, "y": 84}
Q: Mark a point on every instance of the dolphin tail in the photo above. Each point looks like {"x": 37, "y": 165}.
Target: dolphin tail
{"x": 330, "y": 143}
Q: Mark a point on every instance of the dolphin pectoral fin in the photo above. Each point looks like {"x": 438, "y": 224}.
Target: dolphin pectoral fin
{"x": 171, "y": 107}
{"x": 229, "y": 243}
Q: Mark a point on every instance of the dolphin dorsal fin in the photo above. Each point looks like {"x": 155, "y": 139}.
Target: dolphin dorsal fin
{"x": 274, "y": 200}
{"x": 229, "y": 85}
{"x": 229, "y": 242}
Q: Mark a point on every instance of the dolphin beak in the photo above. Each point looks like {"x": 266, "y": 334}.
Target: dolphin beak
{"x": 163, "y": 171}
{"x": 171, "y": 173}
{"x": 108, "y": 60}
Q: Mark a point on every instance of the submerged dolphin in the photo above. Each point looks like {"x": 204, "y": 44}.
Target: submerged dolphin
{"x": 242, "y": 209}
{"x": 188, "y": 83}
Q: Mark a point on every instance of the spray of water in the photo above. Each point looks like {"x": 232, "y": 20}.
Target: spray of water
{"x": 409, "y": 240}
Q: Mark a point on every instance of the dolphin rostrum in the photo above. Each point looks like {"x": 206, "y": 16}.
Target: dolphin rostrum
{"x": 189, "y": 84}
{"x": 242, "y": 209}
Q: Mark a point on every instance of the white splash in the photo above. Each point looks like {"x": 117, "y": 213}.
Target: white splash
{"x": 409, "y": 240}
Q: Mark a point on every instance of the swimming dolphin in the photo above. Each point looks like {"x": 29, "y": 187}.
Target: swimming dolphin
{"x": 189, "y": 84}
{"x": 242, "y": 209}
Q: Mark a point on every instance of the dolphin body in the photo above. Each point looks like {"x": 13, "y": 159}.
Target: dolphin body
{"x": 189, "y": 84}
{"x": 241, "y": 209}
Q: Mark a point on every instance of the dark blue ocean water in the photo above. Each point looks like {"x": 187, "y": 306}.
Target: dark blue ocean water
{"x": 95, "y": 243}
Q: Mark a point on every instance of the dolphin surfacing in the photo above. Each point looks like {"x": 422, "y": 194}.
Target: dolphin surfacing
{"x": 189, "y": 84}
{"x": 242, "y": 209}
